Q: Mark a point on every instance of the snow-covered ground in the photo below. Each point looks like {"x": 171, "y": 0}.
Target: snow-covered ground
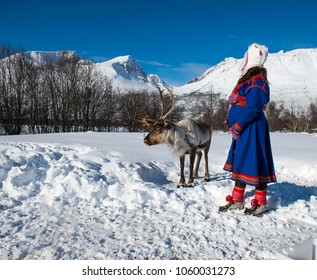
{"x": 108, "y": 196}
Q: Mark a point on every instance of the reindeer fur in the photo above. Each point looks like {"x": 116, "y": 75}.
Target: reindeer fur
{"x": 185, "y": 137}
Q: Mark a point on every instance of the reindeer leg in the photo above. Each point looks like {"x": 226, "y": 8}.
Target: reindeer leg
{"x": 182, "y": 165}
{"x": 192, "y": 156}
{"x": 206, "y": 150}
{"x": 199, "y": 154}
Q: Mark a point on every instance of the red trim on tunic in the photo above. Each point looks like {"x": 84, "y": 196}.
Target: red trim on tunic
{"x": 253, "y": 86}
{"x": 228, "y": 166}
{"x": 253, "y": 180}
{"x": 250, "y": 180}
{"x": 238, "y": 127}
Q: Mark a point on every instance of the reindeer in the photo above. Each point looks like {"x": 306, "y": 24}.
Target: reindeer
{"x": 187, "y": 136}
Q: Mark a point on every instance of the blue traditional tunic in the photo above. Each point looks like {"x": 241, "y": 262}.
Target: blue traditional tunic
{"x": 250, "y": 156}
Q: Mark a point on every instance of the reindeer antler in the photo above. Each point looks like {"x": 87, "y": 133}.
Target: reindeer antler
{"x": 145, "y": 121}
{"x": 162, "y": 99}
{"x": 163, "y": 117}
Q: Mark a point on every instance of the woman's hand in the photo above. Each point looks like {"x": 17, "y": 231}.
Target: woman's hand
{"x": 235, "y": 133}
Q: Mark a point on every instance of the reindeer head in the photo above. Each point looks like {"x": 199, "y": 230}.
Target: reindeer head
{"x": 159, "y": 127}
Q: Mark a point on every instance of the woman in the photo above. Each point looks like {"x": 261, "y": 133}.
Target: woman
{"x": 250, "y": 156}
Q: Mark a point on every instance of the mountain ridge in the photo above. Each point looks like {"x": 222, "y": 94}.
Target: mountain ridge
{"x": 291, "y": 75}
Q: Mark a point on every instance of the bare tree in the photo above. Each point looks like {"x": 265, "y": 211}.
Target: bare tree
{"x": 274, "y": 116}
{"x": 131, "y": 104}
{"x": 312, "y": 116}
{"x": 13, "y": 92}
{"x": 108, "y": 113}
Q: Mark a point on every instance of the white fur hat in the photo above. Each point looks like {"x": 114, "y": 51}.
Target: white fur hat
{"x": 255, "y": 56}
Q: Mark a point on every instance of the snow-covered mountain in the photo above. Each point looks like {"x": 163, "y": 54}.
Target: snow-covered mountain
{"x": 292, "y": 76}
{"x": 41, "y": 57}
{"x": 125, "y": 73}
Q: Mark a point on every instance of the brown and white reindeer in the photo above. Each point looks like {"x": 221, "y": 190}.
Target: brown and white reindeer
{"x": 187, "y": 136}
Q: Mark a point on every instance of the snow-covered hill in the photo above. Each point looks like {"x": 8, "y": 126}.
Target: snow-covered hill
{"x": 126, "y": 74}
{"x": 41, "y": 58}
{"x": 109, "y": 196}
{"x": 292, "y": 76}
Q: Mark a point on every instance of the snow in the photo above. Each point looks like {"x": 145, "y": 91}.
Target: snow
{"x": 126, "y": 74}
{"x": 291, "y": 75}
{"x": 109, "y": 196}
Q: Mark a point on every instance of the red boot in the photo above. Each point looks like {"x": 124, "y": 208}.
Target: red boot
{"x": 235, "y": 201}
{"x": 258, "y": 204}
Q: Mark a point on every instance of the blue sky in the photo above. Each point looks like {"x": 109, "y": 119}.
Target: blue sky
{"x": 177, "y": 40}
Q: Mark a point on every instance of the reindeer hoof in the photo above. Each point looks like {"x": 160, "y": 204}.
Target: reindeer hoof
{"x": 185, "y": 185}
{"x": 207, "y": 179}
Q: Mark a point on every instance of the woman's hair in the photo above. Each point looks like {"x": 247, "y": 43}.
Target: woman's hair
{"x": 252, "y": 72}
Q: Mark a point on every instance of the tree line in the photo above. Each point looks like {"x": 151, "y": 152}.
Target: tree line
{"x": 67, "y": 95}
{"x": 71, "y": 95}
{"x": 294, "y": 118}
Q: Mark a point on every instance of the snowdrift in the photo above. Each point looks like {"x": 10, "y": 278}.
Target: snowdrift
{"x": 108, "y": 196}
